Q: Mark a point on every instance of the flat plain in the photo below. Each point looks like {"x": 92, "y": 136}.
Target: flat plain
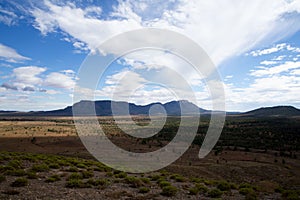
{"x": 43, "y": 158}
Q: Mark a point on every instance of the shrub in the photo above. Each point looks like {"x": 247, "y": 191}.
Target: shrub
{"x": 72, "y": 169}
{"x": 16, "y": 172}
{"x": 121, "y": 175}
{"x": 75, "y": 183}
{"x": 156, "y": 177}
{"x": 223, "y": 186}
{"x": 169, "y": 191}
{"x": 75, "y": 176}
{"x": 246, "y": 190}
{"x": 164, "y": 184}
{"x": 20, "y": 182}
{"x": 145, "y": 180}
{"x": 98, "y": 182}
{"x": 87, "y": 174}
{"x": 133, "y": 181}
{"x": 201, "y": 188}
{"x": 54, "y": 166}
{"x": 196, "y": 180}
{"x": 177, "y": 178}
{"x": 40, "y": 168}
{"x": 144, "y": 190}
{"x": 81, "y": 165}
{"x": 193, "y": 191}
{"x": 32, "y": 175}
{"x": 215, "y": 193}
{"x": 15, "y": 164}
{"x": 53, "y": 178}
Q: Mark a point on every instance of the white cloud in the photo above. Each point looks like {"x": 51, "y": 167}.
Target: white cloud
{"x": 268, "y": 62}
{"x": 275, "y": 49}
{"x": 59, "y": 80}
{"x": 269, "y": 91}
{"x": 285, "y": 67}
{"x": 10, "y": 55}
{"x": 237, "y": 27}
{"x": 7, "y": 17}
{"x": 28, "y": 75}
{"x": 279, "y": 58}
{"x": 267, "y": 51}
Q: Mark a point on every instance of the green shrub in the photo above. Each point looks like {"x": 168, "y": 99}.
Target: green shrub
{"x": 19, "y": 182}
{"x": 98, "y": 182}
{"x": 245, "y": 185}
{"x": 54, "y": 166}
{"x": 145, "y": 180}
{"x": 133, "y": 181}
{"x": 193, "y": 191}
{"x": 177, "y": 178}
{"x": 76, "y": 183}
{"x": 215, "y": 193}
{"x": 16, "y": 172}
{"x": 121, "y": 175}
{"x": 15, "y": 164}
{"x": 155, "y": 177}
{"x": 246, "y": 190}
{"x": 201, "y": 188}
{"x": 164, "y": 184}
{"x": 81, "y": 165}
{"x": 87, "y": 174}
{"x": 223, "y": 186}
{"x": 32, "y": 175}
{"x": 40, "y": 168}
{"x": 75, "y": 176}
{"x": 53, "y": 178}
{"x": 72, "y": 169}
{"x": 196, "y": 180}
{"x": 144, "y": 190}
{"x": 169, "y": 191}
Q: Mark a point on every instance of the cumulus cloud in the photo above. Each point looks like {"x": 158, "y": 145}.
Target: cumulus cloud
{"x": 28, "y": 75}
{"x": 10, "y": 55}
{"x": 59, "y": 80}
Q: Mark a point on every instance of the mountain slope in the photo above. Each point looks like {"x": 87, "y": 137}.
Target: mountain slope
{"x": 276, "y": 111}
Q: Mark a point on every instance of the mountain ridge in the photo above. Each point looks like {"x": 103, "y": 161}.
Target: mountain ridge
{"x": 103, "y": 108}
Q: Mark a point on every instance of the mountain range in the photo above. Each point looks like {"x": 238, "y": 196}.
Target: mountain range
{"x": 173, "y": 108}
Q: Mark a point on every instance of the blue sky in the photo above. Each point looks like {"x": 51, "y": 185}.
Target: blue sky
{"x": 254, "y": 44}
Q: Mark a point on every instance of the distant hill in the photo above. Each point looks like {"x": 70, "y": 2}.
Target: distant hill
{"x": 277, "y": 111}
{"x": 103, "y": 108}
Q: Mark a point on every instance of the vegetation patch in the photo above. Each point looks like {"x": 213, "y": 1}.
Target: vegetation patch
{"x": 144, "y": 190}
{"x": 215, "y": 193}
{"x": 169, "y": 191}
{"x": 19, "y": 182}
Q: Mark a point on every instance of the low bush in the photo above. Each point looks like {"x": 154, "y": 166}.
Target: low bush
{"x": 224, "y": 186}
{"x": 169, "y": 191}
{"x": 19, "y": 182}
{"x": 40, "y": 168}
{"x": 53, "y": 178}
{"x": 144, "y": 190}
{"x": 215, "y": 193}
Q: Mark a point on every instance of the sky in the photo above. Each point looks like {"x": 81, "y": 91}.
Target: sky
{"x": 255, "y": 45}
